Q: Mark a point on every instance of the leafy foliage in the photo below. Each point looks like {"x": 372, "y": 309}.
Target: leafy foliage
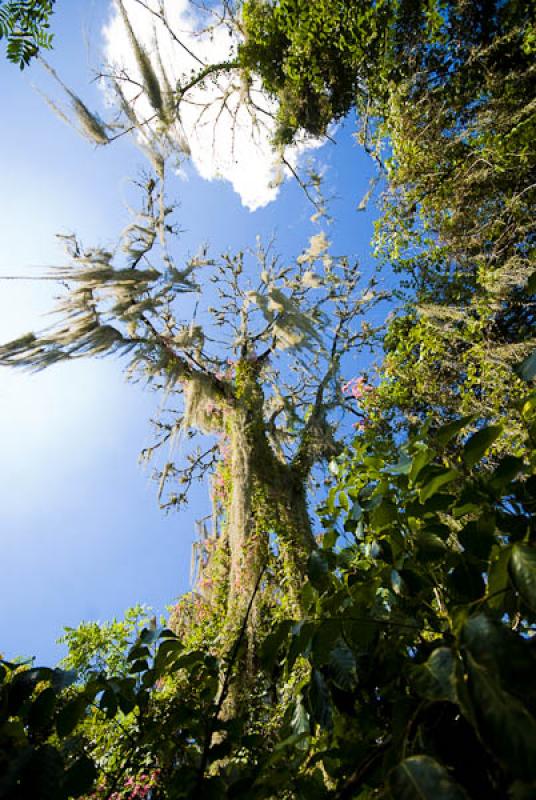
{"x": 25, "y": 26}
{"x": 409, "y": 675}
{"x": 444, "y": 94}
{"x": 395, "y": 658}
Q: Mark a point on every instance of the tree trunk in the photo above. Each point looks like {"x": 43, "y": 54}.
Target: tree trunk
{"x": 267, "y": 519}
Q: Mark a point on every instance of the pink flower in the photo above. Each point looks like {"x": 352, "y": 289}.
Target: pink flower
{"x": 357, "y": 387}
{"x": 363, "y": 425}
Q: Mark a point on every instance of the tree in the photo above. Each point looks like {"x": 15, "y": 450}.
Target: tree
{"x": 259, "y": 367}
{"x": 447, "y": 122}
{"x": 444, "y": 98}
{"x": 25, "y": 25}
{"x": 393, "y": 657}
{"x": 405, "y": 674}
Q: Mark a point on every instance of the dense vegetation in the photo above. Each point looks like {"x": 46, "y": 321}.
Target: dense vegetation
{"x": 392, "y": 655}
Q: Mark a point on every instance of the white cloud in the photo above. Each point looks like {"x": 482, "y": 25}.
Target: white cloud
{"x": 224, "y": 141}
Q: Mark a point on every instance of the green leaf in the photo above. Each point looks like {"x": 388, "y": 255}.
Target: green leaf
{"x": 70, "y": 715}
{"x": 148, "y": 679}
{"x": 42, "y": 708}
{"x": 439, "y": 479}
{"x": 330, "y": 501}
{"x": 319, "y": 700}
{"x": 523, "y": 572}
{"x": 527, "y": 368}
{"x": 502, "y": 652}
{"x": 430, "y": 547}
{"x": 138, "y": 666}
{"x": 300, "y": 719}
{"x": 466, "y": 582}
{"x": 80, "y": 777}
{"x": 436, "y": 678}
{"x": 522, "y": 791}
{"x": 529, "y": 406}
{"x": 503, "y": 723}
{"x": 477, "y": 539}
{"x": 166, "y": 633}
{"x": 447, "y": 432}
{"x": 343, "y": 501}
{"x": 508, "y": 468}
{"x": 343, "y": 666}
{"x": 22, "y": 686}
{"x": 148, "y": 635}
{"x": 126, "y": 701}
{"x": 396, "y": 582}
{"x": 62, "y": 679}
{"x": 360, "y": 633}
{"x": 382, "y": 516}
{"x": 108, "y": 703}
{"x": 356, "y": 513}
{"x": 138, "y": 651}
{"x": 318, "y": 570}
{"x": 438, "y": 528}
{"x": 423, "y": 457}
{"x": 300, "y": 645}
{"x": 324, "y": 641}
{"x": 479, "y": 443}
{"x": 402, "y": 467}
{"x": 168, "y": 651}
{"x": 423, "y": 778}
{"x": 329, "y": 539}
{"x": 499, "y": 578}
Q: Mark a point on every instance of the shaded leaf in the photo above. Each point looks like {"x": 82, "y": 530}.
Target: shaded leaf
{"x": 300, "y": 645}
{"x": 324, "y": 641}
{"x": 436, "y": 678}
{"x": 523, "y": 571}
{"x": 527, "y": 368}
{"x": 70, "y": 715}
{"x": 430, "y": 546}
{"x": 343, "y": 666}
{"x": 42, "y": 708}
{"x": 479, "y": 443}
{"x": 108, "y": 703}
{"x": 439, "y": 479}
{"x": 319, "y": 700}
{"x": 318, "y": 570}
{"x": 503, "y": 723}
{"x": 423, "y": 457}
{"x": 423, "y": 778}
{"x": 508, "y": 468}
{"x": 445, "y": 433}
{"x": 80, "y": 777}
{"x": 300, "y": 719}
{"x": 403, "y": 467}
{"x": 499, "y": 578}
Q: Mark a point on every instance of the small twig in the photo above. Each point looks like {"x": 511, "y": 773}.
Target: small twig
{"x": 303, "y": 186}
{"x": 171, "y": 32}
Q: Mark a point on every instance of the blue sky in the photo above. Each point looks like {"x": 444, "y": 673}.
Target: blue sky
{"x": 81, "y": 535}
